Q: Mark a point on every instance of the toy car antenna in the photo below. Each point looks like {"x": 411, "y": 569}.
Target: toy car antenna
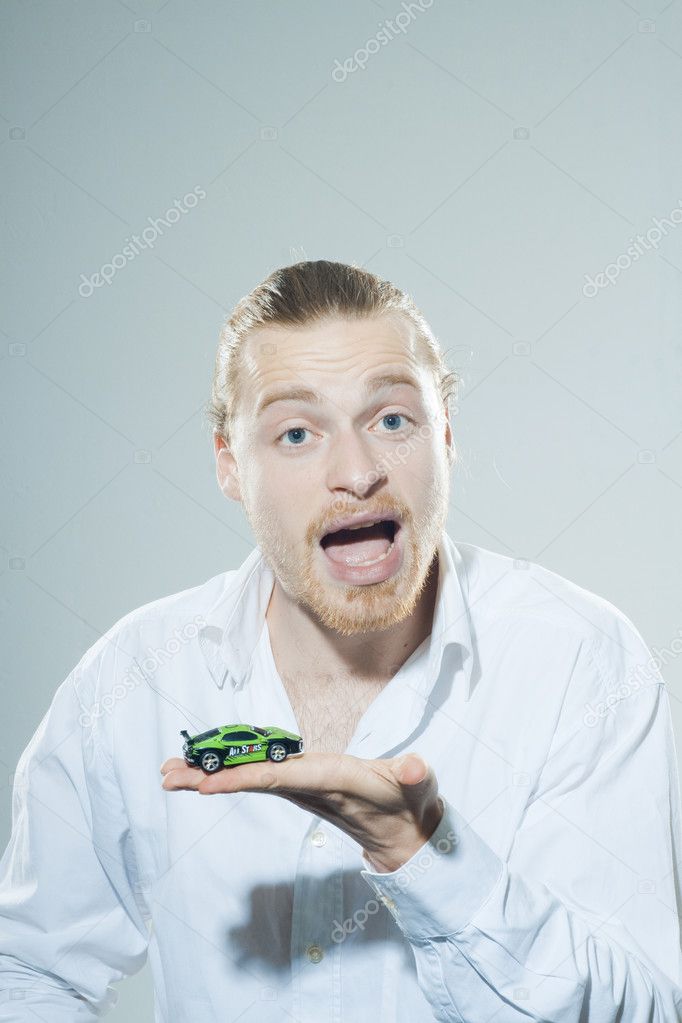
{"x": 177, "y": 706}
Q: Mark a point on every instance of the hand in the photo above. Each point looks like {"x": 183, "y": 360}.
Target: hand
{"x": 390, "y": 807}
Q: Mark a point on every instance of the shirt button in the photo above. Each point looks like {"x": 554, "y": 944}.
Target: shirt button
{"x": 318, "y": 838}
{"x": 314, "y": 953}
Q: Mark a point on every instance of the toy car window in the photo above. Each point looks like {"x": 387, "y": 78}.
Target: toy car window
{"x": 206, "y": 735}
{"x": 260, "y": 731}
{"x": 240, "y": 736}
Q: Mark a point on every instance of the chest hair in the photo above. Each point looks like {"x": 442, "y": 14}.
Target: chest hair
{"x": 328, "y": 707}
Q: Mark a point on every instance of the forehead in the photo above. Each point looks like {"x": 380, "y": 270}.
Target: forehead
{"x": 334, "y": 351}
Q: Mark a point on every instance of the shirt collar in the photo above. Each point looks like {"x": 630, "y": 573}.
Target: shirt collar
{"x": 235, "y": 621}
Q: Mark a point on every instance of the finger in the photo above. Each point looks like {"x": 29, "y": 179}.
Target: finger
{"x": 314, "y": 776}
{"x": 411, "y": 769}
{"x": 182, "y": 778}
{"x": 242, "y": 778}
{"x": 311, "y": 773}
{"x": 171, "y": 763}
{"x": 417, "y": 780}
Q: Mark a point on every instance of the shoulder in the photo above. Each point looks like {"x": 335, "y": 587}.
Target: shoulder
{"x": 176, "y": 617}
{"x": 504, "y": 592}
{"x": 184, "y": 605}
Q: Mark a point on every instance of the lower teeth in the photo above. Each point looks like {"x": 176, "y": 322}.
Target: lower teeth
{"x": 364, "y": 564}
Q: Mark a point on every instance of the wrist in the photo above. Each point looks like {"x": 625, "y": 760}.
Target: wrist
{"x": 403, "y": 848}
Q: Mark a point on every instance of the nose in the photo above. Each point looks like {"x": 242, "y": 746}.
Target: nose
{"x": 352, "y": 467}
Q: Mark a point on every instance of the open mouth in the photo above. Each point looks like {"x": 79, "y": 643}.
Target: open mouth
{"x": 368, "y": 543}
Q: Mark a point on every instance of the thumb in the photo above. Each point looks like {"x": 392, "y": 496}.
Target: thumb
{"x": 410, "y": 769}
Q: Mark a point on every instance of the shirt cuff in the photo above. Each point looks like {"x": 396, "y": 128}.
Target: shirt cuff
{"x": 440, "y": 888}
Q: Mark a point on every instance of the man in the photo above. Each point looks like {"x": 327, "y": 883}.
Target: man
{"x": 485, "y": 823}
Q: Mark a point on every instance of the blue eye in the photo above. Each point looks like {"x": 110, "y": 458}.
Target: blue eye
{"x": 393, "y": 416}
{"x": 394, "y": 422}
{"x": 294, "y": 435}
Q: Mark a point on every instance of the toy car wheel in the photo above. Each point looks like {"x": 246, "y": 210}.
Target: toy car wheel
{"x": 211, "y": 761}
{"x": 277, "y": 752}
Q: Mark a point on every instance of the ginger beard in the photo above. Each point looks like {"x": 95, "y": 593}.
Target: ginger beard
{"x": 346, "y": 608}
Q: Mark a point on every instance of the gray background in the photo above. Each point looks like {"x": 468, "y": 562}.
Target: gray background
{"x": 485, "y": 160}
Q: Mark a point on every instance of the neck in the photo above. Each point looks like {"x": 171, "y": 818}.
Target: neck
{"x": 301, "y": 644}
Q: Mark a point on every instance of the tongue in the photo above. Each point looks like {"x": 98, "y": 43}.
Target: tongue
{"x": 352, "y": 546}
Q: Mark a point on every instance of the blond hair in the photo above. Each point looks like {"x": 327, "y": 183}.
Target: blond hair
{"x": 306, "y": 293}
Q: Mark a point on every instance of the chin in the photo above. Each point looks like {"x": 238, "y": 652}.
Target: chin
{"x": 353, "y": 609}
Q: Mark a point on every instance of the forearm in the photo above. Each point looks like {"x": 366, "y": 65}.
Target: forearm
{"x": 489, "y": 941}
{"x": 27, "y": 993}
{"x": 70, "y": 923}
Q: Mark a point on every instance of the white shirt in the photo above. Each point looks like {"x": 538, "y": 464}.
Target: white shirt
{"x": 549, "y": 892}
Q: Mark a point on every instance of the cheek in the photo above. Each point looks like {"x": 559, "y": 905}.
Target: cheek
{"x": 285, "y": 493}
{"x": 423, "y": 480}
{"x": 416, "y": 461}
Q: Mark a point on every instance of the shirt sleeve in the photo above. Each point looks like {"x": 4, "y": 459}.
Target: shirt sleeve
{"x": 581, "y": 921}
{"x": 71, "y": 922}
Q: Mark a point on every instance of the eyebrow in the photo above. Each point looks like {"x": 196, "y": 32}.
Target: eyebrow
{"x": 305, "y": 394}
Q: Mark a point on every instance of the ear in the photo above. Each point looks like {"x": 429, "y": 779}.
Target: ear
{"x": 449, "y": 439}
{"x": 227, "y": 472}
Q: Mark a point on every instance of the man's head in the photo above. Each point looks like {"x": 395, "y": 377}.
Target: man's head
{"x": 330, "y": 408}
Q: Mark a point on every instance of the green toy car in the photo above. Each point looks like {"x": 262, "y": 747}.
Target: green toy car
{"x": 230, "y": 745}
